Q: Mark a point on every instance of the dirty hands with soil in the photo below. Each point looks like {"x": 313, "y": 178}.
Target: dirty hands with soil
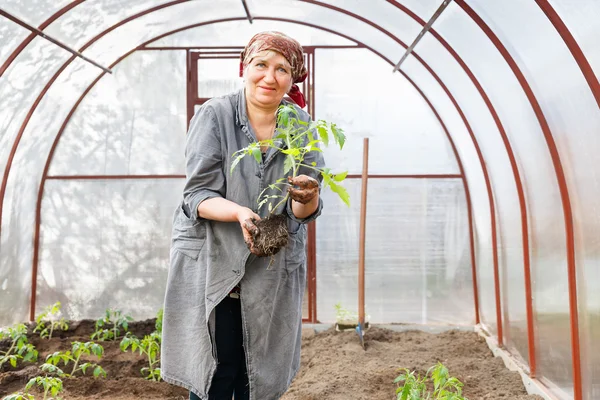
{"x": 303, "y": 188}
{"x": 247, "y": 218}
{"x": 220, "y": 209}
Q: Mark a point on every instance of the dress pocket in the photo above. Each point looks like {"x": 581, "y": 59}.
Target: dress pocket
{"x": 189, "y": 235}
{"x": 295, "y": 251}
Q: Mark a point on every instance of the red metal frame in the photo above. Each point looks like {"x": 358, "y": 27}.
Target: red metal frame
{"x": 576, "y": 52}
{"x": 562, "y": 185}
{"x": 40, "y": 193}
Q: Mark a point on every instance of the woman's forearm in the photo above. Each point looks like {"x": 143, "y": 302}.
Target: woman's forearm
{"x": 219, "y": 209}
{"x": 302, "y": 211}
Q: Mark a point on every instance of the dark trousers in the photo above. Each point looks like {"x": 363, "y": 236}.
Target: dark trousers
{"x": 231, "y": 376}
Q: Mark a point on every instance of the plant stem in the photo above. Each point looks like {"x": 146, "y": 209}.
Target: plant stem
{"x": 46, "y": 392}
{"x": 75, "y": 366}
{"x": 280, "y": 203}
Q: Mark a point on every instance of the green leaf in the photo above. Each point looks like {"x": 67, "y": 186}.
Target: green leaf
{"x": 257, "y": 154}
{"x": 341, "y": 192}
{"x": 323, "y": 133}
{"x": 339, "y": 135}
{"x": 288, "y": 164}
{"x": 340, "y": 177}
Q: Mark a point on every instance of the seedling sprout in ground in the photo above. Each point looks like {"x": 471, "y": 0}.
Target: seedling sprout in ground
{"x": 296, "y": 139}
{"x": 109, "y": 327}
{"x": 19, "y": 348}
{"x": 48, "y": 321}
{"x": 51, "y": 387}
{"x": 415, "y": 387}
{"x": 72, "y": 356}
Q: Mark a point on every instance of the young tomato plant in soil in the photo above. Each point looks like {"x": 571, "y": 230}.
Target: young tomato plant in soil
{"x": 294, "y": 138}
{"x": 109, "y": 327}
{"x": 79, "y": 349}
{"x": 51, "y": 387}
{"x": 149, "y": 346}
{"x": 48, "y": 321}
{"x": 19, "y": 347}
{"x": 445, "y": 387}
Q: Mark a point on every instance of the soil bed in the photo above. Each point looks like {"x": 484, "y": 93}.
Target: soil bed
{"x": 334, "y": 366}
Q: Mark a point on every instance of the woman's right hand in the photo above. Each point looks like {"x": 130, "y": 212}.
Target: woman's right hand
{"x": 246, "y": 217}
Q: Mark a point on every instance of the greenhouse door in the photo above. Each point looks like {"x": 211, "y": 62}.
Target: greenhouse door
{"x": 215, "y": 72}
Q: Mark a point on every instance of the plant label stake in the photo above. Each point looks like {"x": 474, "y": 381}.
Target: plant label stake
{"x": 361, "y": 248}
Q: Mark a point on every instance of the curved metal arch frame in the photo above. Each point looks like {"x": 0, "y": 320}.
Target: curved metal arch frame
{"x": 562, "y": 185}
{"x": 40, "y": 192}
{"x": 556, "y": 21}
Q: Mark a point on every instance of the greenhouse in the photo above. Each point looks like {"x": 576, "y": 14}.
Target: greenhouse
{"x": 469, "y": 149}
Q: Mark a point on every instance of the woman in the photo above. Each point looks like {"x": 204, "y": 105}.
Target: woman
{"x": 232, "y": 326}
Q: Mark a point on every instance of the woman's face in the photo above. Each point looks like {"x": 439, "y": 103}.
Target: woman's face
{"x": 268, "y": 79}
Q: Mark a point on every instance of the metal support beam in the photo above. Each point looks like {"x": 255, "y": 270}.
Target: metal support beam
{"x": 247, "y": 11}
{"x": 50, "y": 39}
{"x": 425, "y": 29}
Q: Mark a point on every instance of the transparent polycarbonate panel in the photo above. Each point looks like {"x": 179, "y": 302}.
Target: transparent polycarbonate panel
{"x": 150, "y": 26}
{"x": 217, "y": 77}
{"x": 502, "y": 179}
{"x": 19, "y": 86}
{"x": 21, "y": 83}
{"x": 133, "y": 122}
{"x": 333, "y": 21}
{"x": 237, "y": 33}
{"x": 417, "y": 256}
{"x": 546, "y": 218}
{"x": 581, "y": 18}
{"x": 33, "y": 12}
{"x": 574, "y": 118}
{"x": 84, "y": 22}
{"x": 115, "y": 256}
{"x": 476, "y": 181}
{"x": 11, "y": 36}
{"x": 15, "y": 283}
{"x": 384, "y": 14}
{"x": 422, "y": 8}
{"x": 404, "y": 135}
{"x": 23, "y": 184}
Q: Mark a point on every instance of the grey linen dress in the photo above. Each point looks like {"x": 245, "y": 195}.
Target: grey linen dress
{"x": 209, "y": 258}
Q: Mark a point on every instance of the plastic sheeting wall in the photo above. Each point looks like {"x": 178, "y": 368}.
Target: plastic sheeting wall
{"x": 548, "y": 66}
{"x": 105, "y": 243}
{"x": 418, "y": 264}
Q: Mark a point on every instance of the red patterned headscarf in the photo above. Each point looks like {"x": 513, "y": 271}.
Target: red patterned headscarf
{"x": 289, "y": 48}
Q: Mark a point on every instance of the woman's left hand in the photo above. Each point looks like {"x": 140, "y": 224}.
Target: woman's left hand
{"x": 303, "y": 188}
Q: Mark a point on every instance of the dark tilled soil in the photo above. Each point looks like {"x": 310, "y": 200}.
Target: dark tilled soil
{"x": 334, "y": 366}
